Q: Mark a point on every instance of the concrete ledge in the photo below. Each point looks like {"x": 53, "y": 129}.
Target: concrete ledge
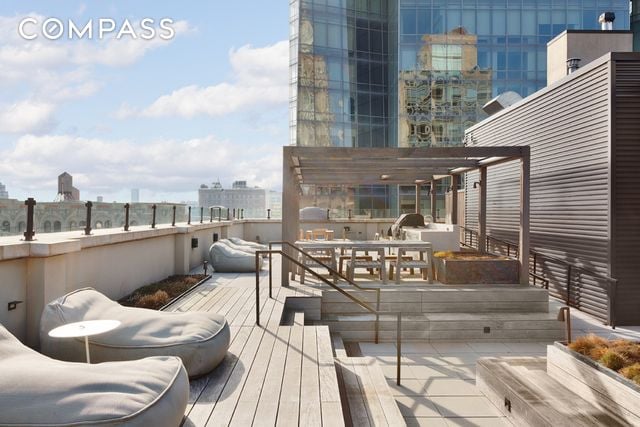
{"x": 52, "y": 244}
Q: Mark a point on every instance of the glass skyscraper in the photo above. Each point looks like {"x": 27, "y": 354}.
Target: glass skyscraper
{"x": 416, "y": 73}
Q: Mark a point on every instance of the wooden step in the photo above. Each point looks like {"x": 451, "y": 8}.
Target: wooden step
{"x": 442, "y": 299}
{"x": 528, "y": 396}
{"x": 369, "y": 398}
{"x": 449, "y": 327}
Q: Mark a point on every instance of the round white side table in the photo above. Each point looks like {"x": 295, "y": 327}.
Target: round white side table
{"x": 84, "y": 329}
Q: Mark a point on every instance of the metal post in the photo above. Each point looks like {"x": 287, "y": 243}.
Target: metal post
{"x": 377, "y": 315}
{"x": 328, "y": 214}
{"x": 173, "y": 221}
{"x": 535, "y": 266}
{"x": 399, "y": 347}
{"x": 153, "y": 216}
{"x": 228, "y": 214}
{"x": 126, "y": 216}
{"x": 613, "y": 288}
{"x": 257, "y": 289}
{"x": 349, "y": 213}
{"x": 219, "y": 214}
{"x": 189, "y": 216}
{"x": 268, "y": 213}
{"x": 242, "y": 213}
{"x": 270, "y": 270}
{"x": 29, "y": 233}
{"x": 210, "y": 214}
{"x": 201, "y": 214}
{"x": 87, "y": 229}
{"x": 234, "y": 213}
{"x": 569, "y": 285}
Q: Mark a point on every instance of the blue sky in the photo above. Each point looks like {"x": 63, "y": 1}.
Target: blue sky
{"x": 162, "y": 116}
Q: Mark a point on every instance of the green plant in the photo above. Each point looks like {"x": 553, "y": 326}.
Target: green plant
{"x": 613, "y": 360}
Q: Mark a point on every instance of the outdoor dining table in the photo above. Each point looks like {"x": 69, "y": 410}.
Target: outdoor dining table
{"x": 372, "y": 245}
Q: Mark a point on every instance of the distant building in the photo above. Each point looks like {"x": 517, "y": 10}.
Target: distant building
{"x": 66, "y": 190}
{"x": 4, "y": 194}
{"x": 255, "y": 201}
{"x": 100, "y": 199}
{"x": 135, "y": 195}
{"x": 275, "y": 204}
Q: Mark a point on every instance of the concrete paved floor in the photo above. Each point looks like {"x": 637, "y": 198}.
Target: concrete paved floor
{"x": 438, "y": 379}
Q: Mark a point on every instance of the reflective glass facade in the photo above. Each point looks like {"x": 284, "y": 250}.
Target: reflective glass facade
{"x": 376, "y": 73}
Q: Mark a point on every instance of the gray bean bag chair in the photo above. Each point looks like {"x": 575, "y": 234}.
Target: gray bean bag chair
{"x": 200, "y": 339}
{"x": 257, "y": 246}
{"x": 226, "y": 258}
{"x": 238, "y": 247}
{"x": 38, "y": 391}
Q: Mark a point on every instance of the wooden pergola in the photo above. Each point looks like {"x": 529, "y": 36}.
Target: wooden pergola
{"x": 328, "y": 166}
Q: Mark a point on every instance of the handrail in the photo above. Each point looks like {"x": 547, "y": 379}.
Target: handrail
{"x": 332, "y": 272}
{"x": 328, "y": 282}
{"x": 612, "y": 282}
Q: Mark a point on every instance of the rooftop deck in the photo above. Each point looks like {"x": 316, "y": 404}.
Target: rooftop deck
{"x": 287, "y": 373}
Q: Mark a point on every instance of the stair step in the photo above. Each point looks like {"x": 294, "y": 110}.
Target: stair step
{"x": 442, "y": 299}
{"x": 527, "y": 395}
{"x": 449, "y": 327}
{"x": 370, "y": 401}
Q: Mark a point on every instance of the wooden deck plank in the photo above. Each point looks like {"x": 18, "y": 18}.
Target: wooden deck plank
{"x": 357, "y": 407}
{"x": 329, "y": 391}
{"x": 267, "y": 409}
{"x": 370, "y": 396}
{"x": 289, "y": 405}
{"x": 194, "y": 297}
{"x": 199, "y": 412}
{"x": 224, "y": 408}
{"x": 387, "y": 401}
{"x": 251, "y": 391}
{"x": 237, "y": 300}
{"x": 214, "y": 301}
{"x": 310, "y": 413}
{"x": 208, "y": 294}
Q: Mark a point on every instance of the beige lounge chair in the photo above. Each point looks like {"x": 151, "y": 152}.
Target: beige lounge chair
{"x": 200, "y": 339}
{"x": 38, "y": 391}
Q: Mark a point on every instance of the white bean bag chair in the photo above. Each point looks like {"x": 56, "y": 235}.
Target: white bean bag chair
{"x": 225, "y": 258}
{"x": 200, "y": 339}
{"x": 257, "y": 246}
{"x": 38, "y": 391}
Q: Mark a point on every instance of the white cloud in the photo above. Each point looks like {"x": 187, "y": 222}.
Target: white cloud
{"x": 260, "y": 79}
{"x": 54, "y": 72}
{"x": 27, "y": 117}
{"x": 106, "y": 166}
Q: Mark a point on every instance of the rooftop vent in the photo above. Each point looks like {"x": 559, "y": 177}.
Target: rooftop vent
{"x": 573, "y": 64}
{"x": 501, "y": 102}
{"x": 606, "y": 21}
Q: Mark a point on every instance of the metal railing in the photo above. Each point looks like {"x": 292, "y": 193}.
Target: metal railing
{"x": 328, "y": 282}
{"x": 471, "y": 239}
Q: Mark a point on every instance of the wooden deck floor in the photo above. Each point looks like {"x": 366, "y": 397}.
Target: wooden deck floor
{"x": 272, "y": 375}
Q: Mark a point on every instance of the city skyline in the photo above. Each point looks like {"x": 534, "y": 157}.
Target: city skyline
{"x": 158, "y": 115}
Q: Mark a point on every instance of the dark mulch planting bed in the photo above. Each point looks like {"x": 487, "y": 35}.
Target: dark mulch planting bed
{"x": 159, "y": 294}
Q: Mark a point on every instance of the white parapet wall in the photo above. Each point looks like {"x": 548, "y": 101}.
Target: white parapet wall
{"x": 112, "y": 261}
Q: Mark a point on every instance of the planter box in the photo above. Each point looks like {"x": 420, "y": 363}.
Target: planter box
{"x": 593, "y": 382}
{"x": 482, "y": 269}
